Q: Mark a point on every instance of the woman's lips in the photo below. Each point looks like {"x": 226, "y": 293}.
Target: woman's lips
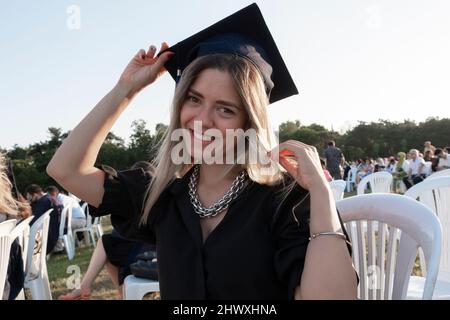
{"x": 203, "y": 138}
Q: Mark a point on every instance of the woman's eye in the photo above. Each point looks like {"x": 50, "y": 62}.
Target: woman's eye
{"x": 226, "y": 110}
{"x": 193, "y": 99}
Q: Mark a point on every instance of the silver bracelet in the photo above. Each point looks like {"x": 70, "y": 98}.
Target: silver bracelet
{"x": 330, "y": 233}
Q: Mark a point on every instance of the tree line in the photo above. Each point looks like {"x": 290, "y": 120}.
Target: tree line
{"x": 375, "y": 139}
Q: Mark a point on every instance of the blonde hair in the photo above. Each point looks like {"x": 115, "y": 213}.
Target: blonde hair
{"x": 9, "y": 205}
{"x": 250, "y": 87}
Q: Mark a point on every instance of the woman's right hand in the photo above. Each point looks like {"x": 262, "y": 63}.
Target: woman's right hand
{"x": 144, "y": 68}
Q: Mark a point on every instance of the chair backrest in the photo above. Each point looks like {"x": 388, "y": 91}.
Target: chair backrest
{"x": 441, "y": 173}
{"x": 351, "y": 176}
{"x": 66, "y": 215}
{"x": 435, "y": 194}
{"x": 5, "y": 248}
{"x": 22, "y": 233}
{"x": 379, "y": 182}
{"x": 85, "y": 209}
{"x": 386, "y": 231}
{"x": 338, "y": 187}
{"x": 37, "y": 246}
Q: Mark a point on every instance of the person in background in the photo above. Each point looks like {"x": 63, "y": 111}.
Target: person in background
{"x": 379, "y": 165}
{"x": 415, "y": 172}
{"x": 438, "y": 153}
{"x": 334, "y": 159}
{"x": 427, "y": 146}
{"x": 41, "y": 203}
{"x": 78, "y": 216}
{"x": 325, "y": 171}
{"x": 444, "y": 160}
{"x": 400, "y": 172}
{"x": 391, "y": 165}
{"x": 428, "y": 155}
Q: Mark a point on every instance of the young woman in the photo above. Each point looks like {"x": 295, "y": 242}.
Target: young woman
{"x": 222, "y": 231}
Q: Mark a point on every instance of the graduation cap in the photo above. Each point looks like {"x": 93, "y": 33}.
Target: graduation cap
{"x": 245, "y": 34}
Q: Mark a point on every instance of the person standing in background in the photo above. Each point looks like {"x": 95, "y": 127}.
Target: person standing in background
{"x": 335, "y": 159}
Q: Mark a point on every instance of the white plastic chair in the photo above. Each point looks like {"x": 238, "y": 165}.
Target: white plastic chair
{"x": 351, "y": 178}
{"x": 435, "y": 194}
{"x": 136, "y": 288}
{"x": 338, "y": 188}
{"x": 5, "y": 248}
{"x": 97, "y": 225}
{"x": 36, "y": 276}
{"x": 384, "y": 255}
{"x": 65, "y": 231}
{"x": 380, "y": 182}
{"x": 22, "y": 233}
{"x": 441, "y": 173}
{"x": 89, "y": 229}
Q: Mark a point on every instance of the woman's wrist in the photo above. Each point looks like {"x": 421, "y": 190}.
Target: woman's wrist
{"x": 320, "y": 187}
{"x": 124, "y": 90}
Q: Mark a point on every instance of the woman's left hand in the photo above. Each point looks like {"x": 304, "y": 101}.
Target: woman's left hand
{"x": 302, "y": 162}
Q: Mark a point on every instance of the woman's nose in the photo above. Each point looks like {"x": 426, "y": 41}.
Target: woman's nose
{"x": 205, "y": 115}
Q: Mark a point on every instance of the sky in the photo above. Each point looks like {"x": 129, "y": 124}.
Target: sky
{"x": 352, "y": 60}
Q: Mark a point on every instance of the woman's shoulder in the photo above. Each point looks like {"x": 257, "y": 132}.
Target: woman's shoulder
{"x": 123, "y": 189}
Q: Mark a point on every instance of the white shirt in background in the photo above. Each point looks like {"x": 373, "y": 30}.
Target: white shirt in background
{"x": 444, "y": 162}
{"x": 414, "y": 166}
{"x": 77, "y": 212}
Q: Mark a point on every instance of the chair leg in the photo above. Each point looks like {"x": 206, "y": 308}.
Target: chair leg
{"x": 91, "y": 234}
{"x": 87, "y": 240}
{"x": 68, "y": 247}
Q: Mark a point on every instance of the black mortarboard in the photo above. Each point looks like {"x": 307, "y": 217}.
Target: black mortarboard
{"x": 244, "y": 33}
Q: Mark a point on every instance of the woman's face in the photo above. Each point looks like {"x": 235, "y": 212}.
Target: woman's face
{"x": 213, "y": 100}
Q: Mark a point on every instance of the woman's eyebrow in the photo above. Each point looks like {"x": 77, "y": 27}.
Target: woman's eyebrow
{"x": 224, "y": 102}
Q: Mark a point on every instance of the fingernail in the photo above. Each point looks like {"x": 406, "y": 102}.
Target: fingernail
{"x": 152, "y": 48}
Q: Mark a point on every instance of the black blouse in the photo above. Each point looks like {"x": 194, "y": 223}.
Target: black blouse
{"x": 256, "y": 252}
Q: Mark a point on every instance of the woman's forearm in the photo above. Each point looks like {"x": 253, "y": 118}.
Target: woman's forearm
{"x": 79, "y": 151}
{"x": 328, "y": 272}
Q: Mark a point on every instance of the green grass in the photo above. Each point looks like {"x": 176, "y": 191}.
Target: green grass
{"x": 57, "y": 266}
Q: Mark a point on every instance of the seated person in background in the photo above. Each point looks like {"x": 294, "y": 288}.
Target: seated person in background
{"x": 325, "y": 171}
{"x": 400, "y": 171}
{"x": 391, "y": 165}
{"x": 364, "y": 169}
{"x": 428, "y": 155}
{"x": 444, "y": 160}
{"x": 40, "y": 203}
{"x": 114, "y": 252}
{"x": 427, "y": 146}
{"x": 11, "y": 208}
{"x": 416, "y": 168}
{"x": 78, "y": 216}
{"x": 438, "y": 153}
{"x": 379, "y": 165}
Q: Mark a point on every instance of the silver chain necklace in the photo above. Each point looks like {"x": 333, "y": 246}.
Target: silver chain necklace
{"x": 221, "y": 204}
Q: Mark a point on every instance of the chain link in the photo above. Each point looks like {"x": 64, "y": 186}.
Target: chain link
{"x": 221, "y": 204}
